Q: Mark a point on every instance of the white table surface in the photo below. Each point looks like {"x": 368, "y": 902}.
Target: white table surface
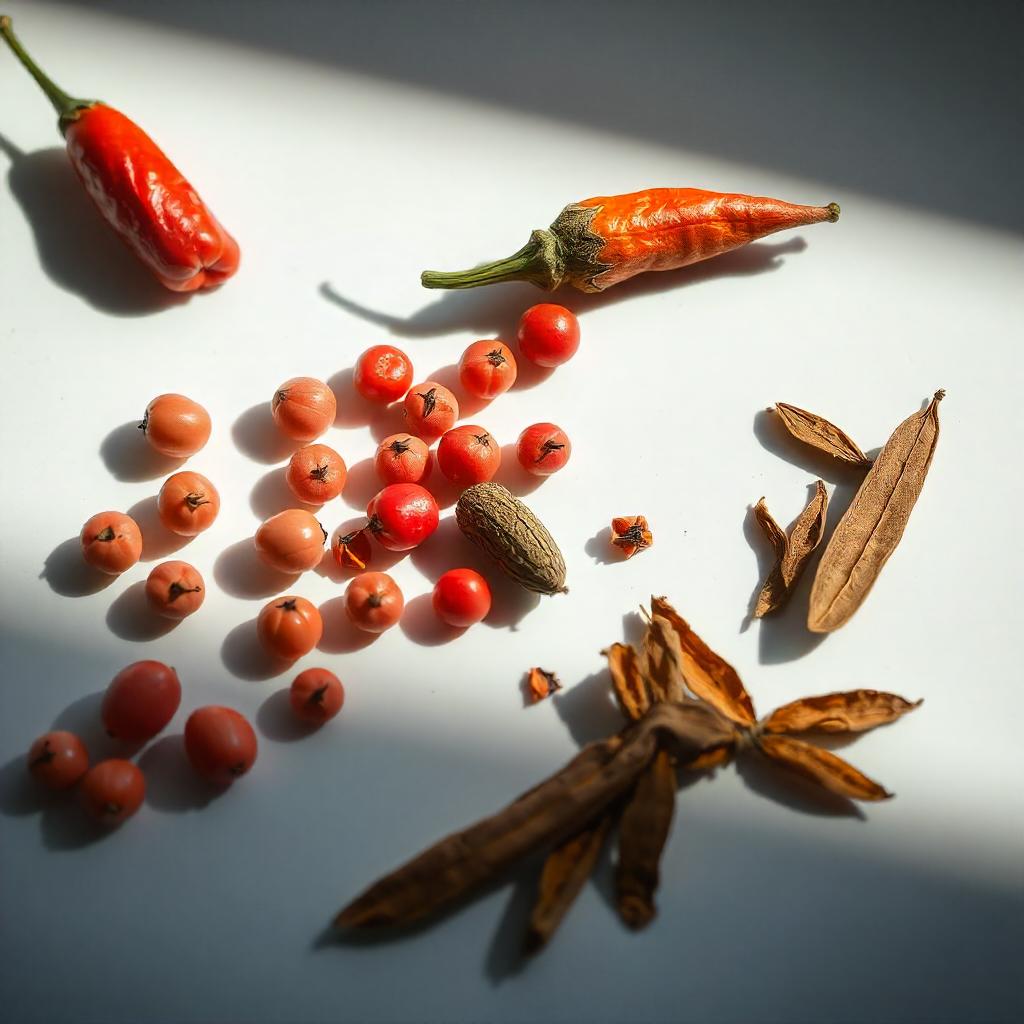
{"x": 339, "y": 181}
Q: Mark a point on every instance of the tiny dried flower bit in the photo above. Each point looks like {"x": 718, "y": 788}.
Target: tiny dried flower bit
{"x": 319, "y": 472}
{"x": 352, "y": 550}
{"x": 399, "y": 447}
{"x": 549, "y": 447}
{"x": 541, "y": 684}
{"x": 429, "y": 401}
{"x": 631, "y": 534}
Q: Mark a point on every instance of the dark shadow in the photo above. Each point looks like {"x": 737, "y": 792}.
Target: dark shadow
{"x": 83, "y": 718}
{"x": 512, "y": 476}
{"x": 240, "y": 572}
{"x": 271, "y": 494}
{"x": 77, "y": 250}
{"x": 419, "y": 622}
{"x": 243, "y": 655}
{"x": 601, "y": 549}
{"x": 497, "y": 314}
{"x": 361, "y": 484}
{"x": 171, "y": 782}
{"x": 66, "y": 572}
{"x": 529, "y": 374}
{"x": 355, "y": 411}
{"x": 505, "y": 955}
{"x": 588, "y": 709}
{"x": 633, "y": 628}
{"x": 768, "y": 779}
{"x": 276, "y": 720}
{"x": 256, "y": 435}
{"x": 340, "y": 636}
{"x": 20, "y": 794}
{"x": 448, "y": 548}
{"x": 68, "y": 827}
{"x": 129, "y": 456}
{"x": 157, "y": 541}
{"x": 130, "y": 616}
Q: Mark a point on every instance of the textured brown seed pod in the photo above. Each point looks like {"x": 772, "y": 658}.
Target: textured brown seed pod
{"x": 513, "y": 536}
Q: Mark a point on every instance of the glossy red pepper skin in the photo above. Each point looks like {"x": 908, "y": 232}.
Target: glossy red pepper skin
{"x": 148, "y": 201}
{"x": 137, "y": 189}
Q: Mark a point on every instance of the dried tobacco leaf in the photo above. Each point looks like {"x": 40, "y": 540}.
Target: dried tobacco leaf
{"x": 556, "y": 808}
{"x": 791, "y": 552}
{"x": 628, "y": 681}
{"x": 773, "y": 590}
{"x": 706, "y": 674}
{"x": 853, "y": 711}
{"x": 818, "y": 432}
{"x": 874, "y": 523}
{"x": 541, "y": 684}
{"x": 821, "y": 766}
{"x": 663, "y": 660}
{"x": 643, "y": 832}
{"x": 565, "y": 870}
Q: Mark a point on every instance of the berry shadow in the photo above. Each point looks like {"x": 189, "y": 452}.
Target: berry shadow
{"x": 601, "y": 549}
{"x": 276, "y": 720}
{"x": 131, "y": 617}
{"x": 355, "y": 411}
{"x": 128, "y": 455}
{"x": 172, "y": 784}
{"x": 469, "y": 405}
{"x": 66, "y": 572}
{"x": 256, "y": 435}
{"x": 448, "y": 548}
{"x": 419, "y": 622}
{"x": 271, "y": 494}
{"x": 340, "y": 636}
{"x": 240, "y": 572}
{"x": 361, "y": 484}
{"x": 157, "y": 540}
{"x": 512, "y": 476}
{"x": 243, "y": 655}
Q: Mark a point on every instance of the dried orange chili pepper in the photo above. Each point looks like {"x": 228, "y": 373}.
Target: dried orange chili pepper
{"x": 599, "y": 242}
{"x": 139, "y": 192}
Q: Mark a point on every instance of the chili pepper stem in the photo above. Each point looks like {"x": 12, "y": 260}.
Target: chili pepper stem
{"x": 539, "y": 262}
{"x": 67, "y": 107}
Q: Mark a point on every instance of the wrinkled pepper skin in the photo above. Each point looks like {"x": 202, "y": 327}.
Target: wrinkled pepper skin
{"x": 603, "y": 241}
{"x": 148, "y": 201}
{"x": 137, "y": 189}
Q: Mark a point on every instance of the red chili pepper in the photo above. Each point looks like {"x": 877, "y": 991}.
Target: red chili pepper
{"x": 599, "y": 242}
{"x": 140, "y": 193}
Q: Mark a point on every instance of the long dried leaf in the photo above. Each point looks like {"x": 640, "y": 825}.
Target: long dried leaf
{"x": 643, "y": 832}
{"x": 541, "y": 817}
{"x": 822, "y": 766}
{"x": 773, "y": 590}
{"x": 818, "y": 432}
{"x": 852, "y": 711}
{"x": 805, "y": 536}
{"x": 707, "y": 675}
{"x": 874, "y": 523}
{"x": 628, "y": 680}
{"x": 663, "y": 661}
{"x": 565, "y": 870}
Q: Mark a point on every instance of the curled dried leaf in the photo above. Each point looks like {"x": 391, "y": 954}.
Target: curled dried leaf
{"x": 821, "y": 766}
{"x": 706, "y": 674}
{"x": 565, "y": 870}
{"x": 643, "y": 832}
{"x": 628, "y": 680}
{"x": 541, "y": 684}
{"x": 874, "y": 523}
{"x": 818, "y": 432}
{"x": 852, "y": 711}
{"x": 631, "y": 534}
{"x": 663, "y": 660}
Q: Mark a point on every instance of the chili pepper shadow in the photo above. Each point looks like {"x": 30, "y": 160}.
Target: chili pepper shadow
{"x": 240, "y": 572}
{"x": 157, "y": 540}
{"x": 129, "y": 456}
{"x": 449, "y": 548}
{"x": 243, "y": 655}
{"x": 496, "y": 315}
{"x": 76, "y": 249}
{"x": 256, "y": 436}
{"x": 172, "y": 784}
{"x": 276, "y": 720}
{"x": 66, "y": 572}
{"x": 130, "y": 616}
{"x": 770, "y": 780}
{"x": 355, "y": 411}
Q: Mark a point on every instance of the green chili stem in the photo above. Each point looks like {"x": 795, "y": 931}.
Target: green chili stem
{"x": 67, "y": 107}
{"x": 539, "y": 262}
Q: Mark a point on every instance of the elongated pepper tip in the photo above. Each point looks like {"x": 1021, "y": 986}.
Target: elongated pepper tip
{"x": 833, "y": 212}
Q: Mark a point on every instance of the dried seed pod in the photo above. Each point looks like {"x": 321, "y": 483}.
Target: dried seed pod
{"x": 513, "y": 536}
{"x": 663, "y": 660}
{"x": 628, "y": 680}
{"x": 821, "y": 766}
{"x": 874, "y": 523}
{"x": 853, "y": 711}
{"x": 818, "y": 432}
{"x": 541, "y": 684}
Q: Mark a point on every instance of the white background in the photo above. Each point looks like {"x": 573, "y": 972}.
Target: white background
{"x": 339, "y": 180}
